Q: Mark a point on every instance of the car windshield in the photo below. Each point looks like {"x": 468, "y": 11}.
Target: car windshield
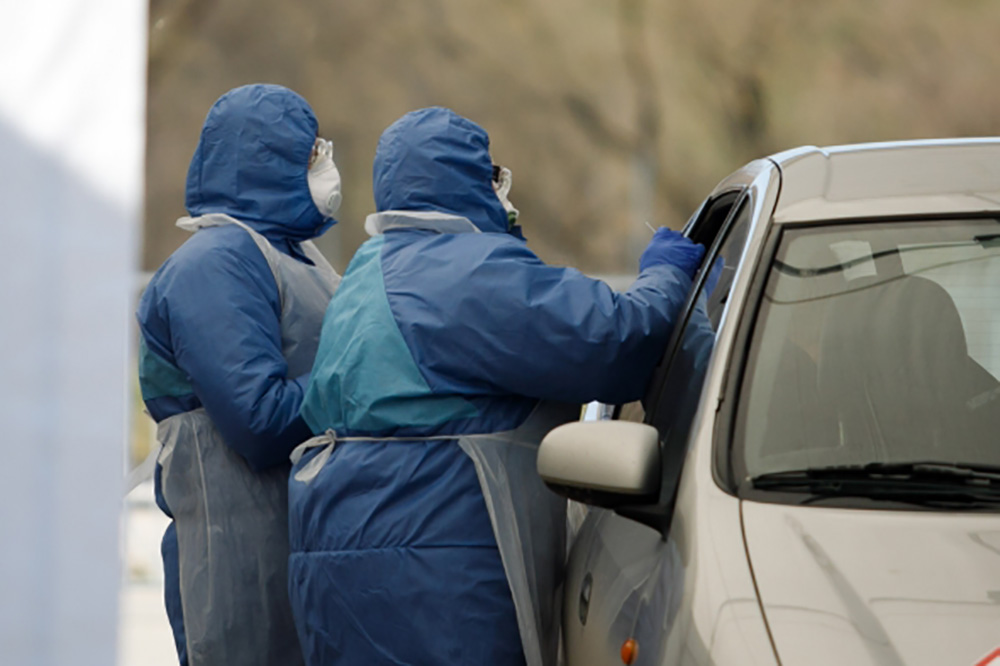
{"x": 876, "y": 343}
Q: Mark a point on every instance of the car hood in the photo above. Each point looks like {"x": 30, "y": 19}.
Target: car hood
{"x": 852, "y": 586}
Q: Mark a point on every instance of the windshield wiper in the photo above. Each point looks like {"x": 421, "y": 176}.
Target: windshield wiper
{"x": 911, "y": 481}
{"x": 929, "y": 471}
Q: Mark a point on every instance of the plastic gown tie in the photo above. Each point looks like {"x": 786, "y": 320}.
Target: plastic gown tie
{"x": 329, "y": 440}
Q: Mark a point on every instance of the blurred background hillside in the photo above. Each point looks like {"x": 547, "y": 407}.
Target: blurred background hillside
{"x": 609, "y": 112}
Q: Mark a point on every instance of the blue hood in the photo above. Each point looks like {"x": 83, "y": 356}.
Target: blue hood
{"x": 251, "y": 163}
{"x": 436, "y": 160}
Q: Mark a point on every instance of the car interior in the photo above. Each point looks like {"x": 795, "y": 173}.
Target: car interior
{"x": 870, "y": 368}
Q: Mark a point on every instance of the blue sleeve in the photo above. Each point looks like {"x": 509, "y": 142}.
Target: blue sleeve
{"x": 504, "y": 322}
{"x": 225, "y": 329}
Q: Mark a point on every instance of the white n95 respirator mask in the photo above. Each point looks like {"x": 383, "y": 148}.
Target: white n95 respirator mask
{"x": 324, "y": 179}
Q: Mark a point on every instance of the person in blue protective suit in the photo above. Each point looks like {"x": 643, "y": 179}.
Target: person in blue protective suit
{"x": 420, "y": 530}
{"x": 230, "y": 325}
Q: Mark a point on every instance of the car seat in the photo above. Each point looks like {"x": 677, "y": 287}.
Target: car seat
{"x": 894, "y": 364}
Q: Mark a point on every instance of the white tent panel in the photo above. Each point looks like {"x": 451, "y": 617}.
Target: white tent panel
{"x": 72, "y": 95}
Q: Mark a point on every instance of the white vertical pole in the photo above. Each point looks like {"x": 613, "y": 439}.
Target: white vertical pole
{"x": 72, "y": 98}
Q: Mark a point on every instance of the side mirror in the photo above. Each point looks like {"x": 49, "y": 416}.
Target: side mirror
{"x": 603, "y": 463}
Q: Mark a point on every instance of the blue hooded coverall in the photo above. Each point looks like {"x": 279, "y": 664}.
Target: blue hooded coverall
{"x": 394, "y": 559}
{"x": 210, "y": 318}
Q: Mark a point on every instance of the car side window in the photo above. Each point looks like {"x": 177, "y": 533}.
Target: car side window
{"x": 727, "y": 260}
{"x": 708, "y": 222}
{"x": 676, "y": 398}
{"x": 703, "y": 227}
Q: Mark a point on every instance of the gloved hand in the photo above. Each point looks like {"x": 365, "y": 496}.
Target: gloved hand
{"x": 671, "y": 248}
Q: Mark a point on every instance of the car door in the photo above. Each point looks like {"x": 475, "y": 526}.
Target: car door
{"x": 624, "y": 579}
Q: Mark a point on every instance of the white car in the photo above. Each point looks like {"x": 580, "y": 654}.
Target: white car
{"x": 814, "y": 475}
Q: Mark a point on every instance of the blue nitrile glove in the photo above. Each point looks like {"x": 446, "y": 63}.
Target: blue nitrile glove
{"x": 670, "y": 247}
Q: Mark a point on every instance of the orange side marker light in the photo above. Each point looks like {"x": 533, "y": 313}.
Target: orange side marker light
{"x": 630, "y": 650}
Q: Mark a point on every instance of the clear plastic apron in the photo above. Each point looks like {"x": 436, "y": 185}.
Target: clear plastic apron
{"x": 232, "y": 522}
{"x": 529, "y": 520}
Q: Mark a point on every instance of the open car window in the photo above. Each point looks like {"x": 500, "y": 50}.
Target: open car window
{"x": 676, "y": 386}
{"x": 727, "y": 221}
